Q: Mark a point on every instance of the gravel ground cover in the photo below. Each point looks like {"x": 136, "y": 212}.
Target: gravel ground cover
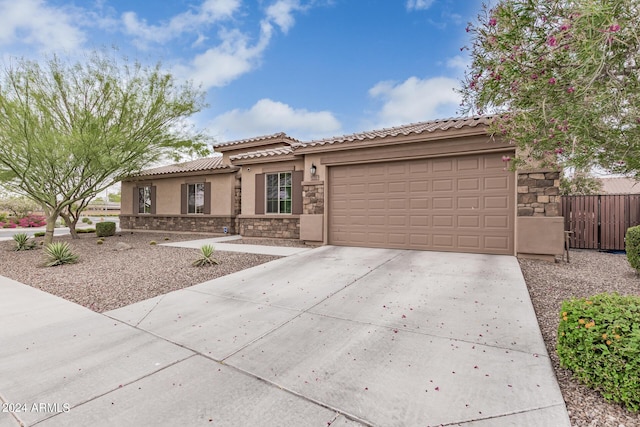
{"x": 590, "y": 272}
{"x": 106, "y": 278}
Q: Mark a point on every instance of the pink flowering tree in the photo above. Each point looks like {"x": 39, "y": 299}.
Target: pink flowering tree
{"x": 564, "y": 74}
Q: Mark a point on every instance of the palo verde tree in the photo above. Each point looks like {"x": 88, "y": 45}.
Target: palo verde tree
{"x": 71, "y": 129}
{"x": 564, "y": 74}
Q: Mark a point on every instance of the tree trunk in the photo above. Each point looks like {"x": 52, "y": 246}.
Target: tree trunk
{"x": 52, "y": 217}
{"x": 71, "y": 222}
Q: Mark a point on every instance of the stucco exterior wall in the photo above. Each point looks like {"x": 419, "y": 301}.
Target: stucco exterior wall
{"x": 249, "y": 172}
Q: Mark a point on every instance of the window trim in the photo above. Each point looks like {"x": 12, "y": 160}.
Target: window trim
{"x": 279, "y": 189}
{"x": 195, "y": 195}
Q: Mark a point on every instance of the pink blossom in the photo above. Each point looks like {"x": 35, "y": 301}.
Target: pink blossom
{"x": 614, "y": 28}
{"x": 559, "y": 150}
{"x": 571, "y": 89}
{"x": 552, "y": 81}
{"x": 468, "y": 28}
{"x": 506, "y": 158}
{"x": 565, "y": 27}
{"x": 552, "y": 41}
{"x": 493, "y": 22}
{"x": 534, "y": 76}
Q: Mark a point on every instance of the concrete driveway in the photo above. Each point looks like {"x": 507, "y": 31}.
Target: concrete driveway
{"x": 331, "y": 336}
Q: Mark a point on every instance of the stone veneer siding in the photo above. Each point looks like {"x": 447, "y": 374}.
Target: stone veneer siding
{"x": 539, "y": 193}
{"x": 313, "y": 198}
{"x": 279, "y": 228}
{"x": 197, "y": 223}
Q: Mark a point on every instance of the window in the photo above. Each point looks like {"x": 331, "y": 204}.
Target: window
{"x": 144, "y": 199}
{"x": 279, "y": 192}
{"x": 195, "y": 198}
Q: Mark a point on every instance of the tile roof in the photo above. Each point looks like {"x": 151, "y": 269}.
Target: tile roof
{"x": 205, "y": 164}
{"x": 620, "y": 186}
{"x": 405, "y": 130}
{"x": 263, "y": 138}
{"x": 269, "y": 152}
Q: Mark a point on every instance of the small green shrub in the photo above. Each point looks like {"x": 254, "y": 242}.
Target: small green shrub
{"x": 59, "y": 253}
{"x": 153, "y": 242}
{"x": 599, "y": 340}
{"x": 206, "y": 257}
{"x": 166, "y": 238}
{"x": 85, "y": 230}
{"x": 23, "y": 242}
{"x": 105, "y": 229}
{"x": 87, "y": 220}
{"x": 39, "y": 234}
{"x": 632, "y": 246}
{"x": 99, "y": 241}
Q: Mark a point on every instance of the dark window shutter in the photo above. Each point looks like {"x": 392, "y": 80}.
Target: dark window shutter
{"x": 136, "y": 200}
{"x": 183, "y": 199}
{"x": 260, "y": 202}
{"x": 153, "y": 200}
{"x": 207, "y": 198}
{"x": 296, "y": 190}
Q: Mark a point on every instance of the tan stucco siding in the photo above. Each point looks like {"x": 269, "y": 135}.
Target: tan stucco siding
{"x": 249, "y": 173}
{"x": 168, "y": 193}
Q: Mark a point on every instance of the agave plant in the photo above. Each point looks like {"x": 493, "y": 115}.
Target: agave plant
{"x": 206, "y": 257}
{"x": 23, "y": 243}
{"x": 59, "y": 253}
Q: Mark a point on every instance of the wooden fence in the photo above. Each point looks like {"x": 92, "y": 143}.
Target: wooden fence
{"x": 600, "y": 222}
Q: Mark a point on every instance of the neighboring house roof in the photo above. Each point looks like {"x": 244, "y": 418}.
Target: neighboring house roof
{"x": 199, "y": 165}
{"x": 256, "y": 141}
{"x": 407, "y": 130}
{"x": 266, "y": 154}
{"x": 620, "y": 186}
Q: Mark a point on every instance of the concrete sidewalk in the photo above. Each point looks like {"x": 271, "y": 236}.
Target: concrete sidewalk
{"x": 331, "y": 336}
{"x": 222, "y": 244}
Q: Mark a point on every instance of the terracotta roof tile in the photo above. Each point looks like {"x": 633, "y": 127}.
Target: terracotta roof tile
{"x": 265, "y": 138}
{"x": 205, "y": 164}
{"x": 269, "y": 152}
{"x": 413, "y": 128}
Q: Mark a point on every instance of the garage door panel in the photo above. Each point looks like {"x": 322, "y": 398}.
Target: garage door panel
{"x": 469, "y": 242}
{"x": 468, "y": 163}
{"x": 499, "y": 183}
{"x": 462, "y": 203}
{"x": 496, "y": 202}
{"x": 468, "y": 184}
{"x": 468, "y": 202}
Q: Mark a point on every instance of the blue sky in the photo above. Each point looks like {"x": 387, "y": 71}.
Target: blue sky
{"x": 310, "y": 68}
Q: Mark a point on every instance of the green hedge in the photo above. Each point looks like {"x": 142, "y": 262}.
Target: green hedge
{"x": 105, "y": 229}
{"x": 632, "y": 246}
{"x": 599, "y": 340}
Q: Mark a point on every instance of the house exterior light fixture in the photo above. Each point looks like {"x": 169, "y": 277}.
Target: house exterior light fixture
{"x": 313, "y": 169}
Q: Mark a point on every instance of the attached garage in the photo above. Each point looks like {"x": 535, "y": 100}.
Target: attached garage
{"x": 457, "y": 203}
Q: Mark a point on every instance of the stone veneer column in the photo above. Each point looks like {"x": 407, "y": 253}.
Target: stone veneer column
{"x": 313, "y": 198}
{"x": 539, "y": 193}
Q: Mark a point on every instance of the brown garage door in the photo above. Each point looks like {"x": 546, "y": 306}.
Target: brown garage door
{"x": 461, "y": 204}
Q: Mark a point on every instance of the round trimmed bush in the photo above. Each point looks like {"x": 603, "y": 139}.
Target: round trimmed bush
{"x": 599, "y": 340}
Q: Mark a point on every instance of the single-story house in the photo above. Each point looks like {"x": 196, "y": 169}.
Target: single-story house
{"x": 438, "y": 185}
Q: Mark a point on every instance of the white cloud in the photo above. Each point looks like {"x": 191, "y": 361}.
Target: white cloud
{"x": 267, "y": 116}
{"x": 281, "y": 12}
{"x": 458, "y": 62}
{"x": 416, "y": 100}
{"x": 33, "y": 22}
{"x": 209, "y": 12}
{"x": 235, "y": 55}
{"x": 419, "y": 4}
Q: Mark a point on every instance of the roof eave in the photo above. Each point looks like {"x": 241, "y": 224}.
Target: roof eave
{"x": 179, "y": 174}
{"x": 436, "y": 135}
{"x": 274, "y": 158}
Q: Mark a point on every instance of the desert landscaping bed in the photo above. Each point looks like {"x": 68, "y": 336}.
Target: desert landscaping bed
{"x": 105, "y": 279}
{"x": 590, "y": 272}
